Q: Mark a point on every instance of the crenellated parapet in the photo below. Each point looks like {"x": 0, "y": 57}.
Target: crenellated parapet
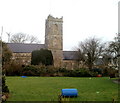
{"x": 51, "y": 18}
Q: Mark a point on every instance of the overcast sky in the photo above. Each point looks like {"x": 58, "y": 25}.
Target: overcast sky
{"x": 81, "y": 18}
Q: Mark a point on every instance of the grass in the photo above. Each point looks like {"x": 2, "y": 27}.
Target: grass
{"x": 48, "y": 88}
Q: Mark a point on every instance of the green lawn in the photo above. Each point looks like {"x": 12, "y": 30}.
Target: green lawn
{"x": 48, "y": 88}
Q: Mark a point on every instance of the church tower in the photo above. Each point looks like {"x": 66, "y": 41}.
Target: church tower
{"x": 54, "y": 38}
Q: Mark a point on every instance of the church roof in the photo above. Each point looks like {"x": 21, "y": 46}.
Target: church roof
{"x": 24, "y": 48}
{"x": 28, "y": 48}
{"x": 70, "y": 55}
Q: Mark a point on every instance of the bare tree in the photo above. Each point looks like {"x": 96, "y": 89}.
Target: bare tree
{"x": 107, "y": 58}
{"x": 9, "y": 34}
{"x": 114, "y": 48}
{"x": 23, "y": 38}
{"x": 33, "y": 39}
{"x": 89, "y": 51}
{"x": 19, "y": 38}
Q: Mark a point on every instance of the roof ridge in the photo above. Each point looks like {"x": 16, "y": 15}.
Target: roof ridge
{"x": 26, "y": 43}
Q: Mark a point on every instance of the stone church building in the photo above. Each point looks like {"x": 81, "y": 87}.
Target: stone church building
{"x": 53, "y": 41}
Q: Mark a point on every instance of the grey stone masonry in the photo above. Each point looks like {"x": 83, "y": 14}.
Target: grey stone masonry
{"x": 54, "y": 38}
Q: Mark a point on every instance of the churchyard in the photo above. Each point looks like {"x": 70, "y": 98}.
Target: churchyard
{"x": 48, "y": 72}
{"x": 49, "y": 88}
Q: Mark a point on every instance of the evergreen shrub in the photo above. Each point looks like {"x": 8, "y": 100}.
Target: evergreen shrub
{"x": 42, "y": 56}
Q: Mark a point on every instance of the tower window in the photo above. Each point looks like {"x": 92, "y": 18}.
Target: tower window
{"x": 55, "y": 29}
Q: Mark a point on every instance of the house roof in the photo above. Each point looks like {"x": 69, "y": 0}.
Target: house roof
{"x": 28, "y": 48}
{"x": 24, "y": 48}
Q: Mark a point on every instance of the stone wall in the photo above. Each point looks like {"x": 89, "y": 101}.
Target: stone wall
{"x": 22, "y": 58}
{"x": 25, "y": 59}
{"x": 54, "y": 38}
{"x": 72, "y": 64}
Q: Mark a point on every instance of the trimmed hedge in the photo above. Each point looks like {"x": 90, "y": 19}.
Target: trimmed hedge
{"x": 42, "y": 56}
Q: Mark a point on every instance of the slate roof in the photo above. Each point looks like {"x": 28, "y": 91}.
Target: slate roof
{"x": 28, "y": 48}
{"x": 24, "y": 48}
{"x": 69, "y": 55}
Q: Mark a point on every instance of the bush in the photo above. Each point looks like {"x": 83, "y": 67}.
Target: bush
{"x": 80, "y": 73}
{"x": 98, "y": 70}
{"x": 30, "y": 70}
{"x": 12, "y": 69}
{"x": 62, "y": 70}
{"x": 42, "y": 56}
{"x": 42, "y": 70}
{"x": 4, "y": 86}
{"x": 38, "y": 70}
{"x": 110, "y": 72}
